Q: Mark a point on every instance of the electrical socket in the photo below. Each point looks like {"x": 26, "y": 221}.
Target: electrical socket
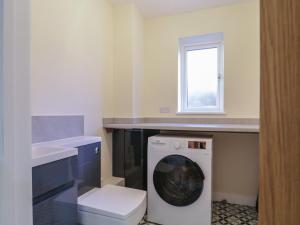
{"x": 164, "y": 110}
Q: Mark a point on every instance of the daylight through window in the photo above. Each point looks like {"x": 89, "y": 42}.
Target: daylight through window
{"x": 201, "y": 77}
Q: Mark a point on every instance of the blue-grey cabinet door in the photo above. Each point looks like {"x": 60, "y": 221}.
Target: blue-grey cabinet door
{"x": 130, "y": 156}
{"x": 89, "y": 167}
{"x": 54, "y": 193}
{"x": 118, "y": 153}
{"x": 133, "y": 159}
{"x": 58, "y": 209}
{"x": 51, "y": 176}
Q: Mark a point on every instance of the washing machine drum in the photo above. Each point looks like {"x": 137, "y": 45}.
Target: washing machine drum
{"x": 178, "y": 180}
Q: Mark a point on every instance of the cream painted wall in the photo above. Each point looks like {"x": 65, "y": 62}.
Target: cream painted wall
{"x": 72, "y": 63}
{"x": 123, "y": 65}
{"x": 235, "y": 167}
{"x": 240, "y": 24}
{"x": 128, "y": 75}
{"x": 138, "y": 60}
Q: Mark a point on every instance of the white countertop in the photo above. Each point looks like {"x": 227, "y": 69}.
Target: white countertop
{"x": 71, "y": 142}
{"x": 242, "y": 128}
{"x": 46, "y": 152}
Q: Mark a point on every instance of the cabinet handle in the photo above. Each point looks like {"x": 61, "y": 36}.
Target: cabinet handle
{"x": 97, "y": 150}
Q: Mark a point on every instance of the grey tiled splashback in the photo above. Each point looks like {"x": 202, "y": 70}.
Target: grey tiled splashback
{"x": 49, "y": 128}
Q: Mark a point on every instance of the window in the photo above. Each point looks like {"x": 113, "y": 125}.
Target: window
{"x": 201, "y": 78}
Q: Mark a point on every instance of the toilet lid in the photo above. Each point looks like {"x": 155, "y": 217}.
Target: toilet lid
{"x": 112, "y": 201}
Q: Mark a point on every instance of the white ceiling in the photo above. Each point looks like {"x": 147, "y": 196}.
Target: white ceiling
{"x": 154, "y": 8}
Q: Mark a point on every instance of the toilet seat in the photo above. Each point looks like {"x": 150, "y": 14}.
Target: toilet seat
{"x": 112, "y": 205}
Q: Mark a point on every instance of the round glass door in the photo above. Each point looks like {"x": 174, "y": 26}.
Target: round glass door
{"x": 178, "y": 180}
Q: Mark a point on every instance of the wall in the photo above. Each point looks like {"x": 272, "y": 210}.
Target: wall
{"x": 15, "y": 144}
{"x": 138, "y": 60}
{"x": 240, "y": 24}
{"x": 128, "y": 74}
{"x": 72, "y": 63}
{"x": 123, "y": 45}
{"x": 235, "y": 167}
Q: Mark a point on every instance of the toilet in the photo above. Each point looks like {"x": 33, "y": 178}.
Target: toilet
{"x": 112, "y": 205}
{"x": 109, "y": 205}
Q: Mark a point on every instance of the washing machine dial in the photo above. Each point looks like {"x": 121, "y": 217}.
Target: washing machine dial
{"x": 177, "y": 145}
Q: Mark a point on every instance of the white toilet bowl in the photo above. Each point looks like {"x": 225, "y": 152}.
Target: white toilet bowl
{"x": 112, "y": 205}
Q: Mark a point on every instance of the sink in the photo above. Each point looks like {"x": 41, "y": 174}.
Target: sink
{"x": 43, "y": 151}
{"x": 47, "y": 154}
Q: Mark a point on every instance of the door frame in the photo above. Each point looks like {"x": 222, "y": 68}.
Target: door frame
{"x": 15, "y": 143}
{"x": 280, "y": 113}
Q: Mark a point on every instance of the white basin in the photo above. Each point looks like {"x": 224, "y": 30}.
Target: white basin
{"x": 46, "y": 154}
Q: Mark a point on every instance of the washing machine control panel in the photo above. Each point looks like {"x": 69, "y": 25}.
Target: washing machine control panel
{"x": 177, "y": 145}
{"x": 189, "y": 144}
{"x": 197, "y": 145}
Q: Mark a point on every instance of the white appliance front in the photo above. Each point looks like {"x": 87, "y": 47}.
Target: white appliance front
{"x": 179, "y": 180}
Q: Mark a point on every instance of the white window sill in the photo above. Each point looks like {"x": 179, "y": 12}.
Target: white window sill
{"x": 201, "y": 113}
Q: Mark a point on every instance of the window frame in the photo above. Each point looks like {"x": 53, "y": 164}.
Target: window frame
{"x": 199, "y": 43}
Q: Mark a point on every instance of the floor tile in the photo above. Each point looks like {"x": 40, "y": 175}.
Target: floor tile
{"x": 228, "y": 214}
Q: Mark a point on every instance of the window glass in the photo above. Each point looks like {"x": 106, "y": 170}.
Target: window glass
{"x": 201, "y": 74}
{"x": 202, "y": 77}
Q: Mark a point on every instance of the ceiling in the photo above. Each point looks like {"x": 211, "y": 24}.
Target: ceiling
{"x": 154, "y": 8}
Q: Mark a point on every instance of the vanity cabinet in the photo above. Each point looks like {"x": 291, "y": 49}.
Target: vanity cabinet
{"x": 89, "y": 167}
{"x": 130, "y": 156}
{"x": 54, "y": 192}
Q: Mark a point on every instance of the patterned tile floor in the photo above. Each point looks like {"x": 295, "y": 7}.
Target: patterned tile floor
{"x": 228, "y": 214}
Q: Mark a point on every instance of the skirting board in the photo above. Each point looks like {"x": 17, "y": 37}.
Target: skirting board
{"x": 235, "y": 199}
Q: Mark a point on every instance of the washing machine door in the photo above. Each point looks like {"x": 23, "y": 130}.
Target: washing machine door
{"x": 178, "y": 180}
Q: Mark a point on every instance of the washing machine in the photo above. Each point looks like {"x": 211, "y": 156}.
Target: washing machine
{"x": 179, "y": 180}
